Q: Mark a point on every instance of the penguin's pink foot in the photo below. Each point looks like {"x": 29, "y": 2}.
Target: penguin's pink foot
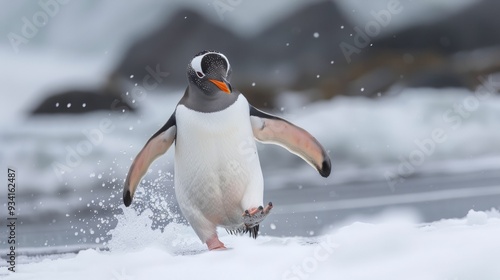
{"x": 254, "y": 216}
{"x": 213, "y": 243}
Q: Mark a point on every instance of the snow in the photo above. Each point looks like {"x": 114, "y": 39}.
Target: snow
{"x": 392, "y": 246}
{"x": 365, "y": 137}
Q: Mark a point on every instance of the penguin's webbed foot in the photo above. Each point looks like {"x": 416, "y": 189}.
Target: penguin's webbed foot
{"x": 253, "y": 217}
{"x": 251, "y": 220}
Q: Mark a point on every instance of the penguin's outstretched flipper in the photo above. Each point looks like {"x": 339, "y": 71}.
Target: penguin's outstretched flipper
{"x": 271, "y": 129}
{"x": 156, "y": 146}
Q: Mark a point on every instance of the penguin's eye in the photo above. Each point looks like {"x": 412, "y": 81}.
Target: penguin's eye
{"x": 200, "y": 75}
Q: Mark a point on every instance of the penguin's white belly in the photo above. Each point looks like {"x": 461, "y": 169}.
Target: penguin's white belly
{"x": 217, "y": 169}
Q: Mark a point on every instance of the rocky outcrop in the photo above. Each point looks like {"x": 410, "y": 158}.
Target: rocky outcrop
{"x": 108, "y": 98}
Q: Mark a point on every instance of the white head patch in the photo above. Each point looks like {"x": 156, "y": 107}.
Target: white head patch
{"x": 196, "y": 63}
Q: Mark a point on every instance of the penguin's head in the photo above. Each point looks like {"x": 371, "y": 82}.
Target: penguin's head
{"x": 210, "y": 71}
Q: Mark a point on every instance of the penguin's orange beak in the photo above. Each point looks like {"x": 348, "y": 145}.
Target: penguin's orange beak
{"x": 221, "y": 85}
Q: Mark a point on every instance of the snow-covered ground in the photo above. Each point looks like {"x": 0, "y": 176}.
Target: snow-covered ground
{"x": 392, "y": 246}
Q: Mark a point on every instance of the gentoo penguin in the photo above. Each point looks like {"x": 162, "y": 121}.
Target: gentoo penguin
{"x": 218, "y": 178}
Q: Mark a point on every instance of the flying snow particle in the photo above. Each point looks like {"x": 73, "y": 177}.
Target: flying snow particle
{"x": 362, "y": 89}
{"x": 69, "y": 105}
{"x": 57, "y": 104}
{"x": 131, "y": 76}
{"x": 316, "y": 35}
{"x": 84, "y": 105}
{"x": 253, "y": 84}
{"x": 273, "y": 226}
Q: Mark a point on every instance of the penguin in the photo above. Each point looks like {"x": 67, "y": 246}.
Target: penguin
{"x": 217, "y": 175}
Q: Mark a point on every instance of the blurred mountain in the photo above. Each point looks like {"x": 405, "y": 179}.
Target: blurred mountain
{"x": 306, "y": 50}
{"x": 286, "y": 55}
